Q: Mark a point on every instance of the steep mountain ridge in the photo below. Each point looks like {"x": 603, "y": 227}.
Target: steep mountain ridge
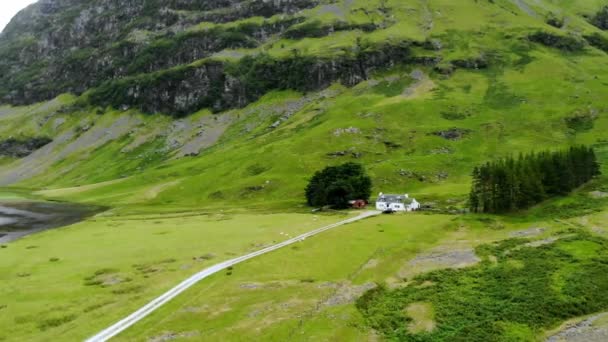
{"x": 263, "y": 101}
{"x": 55, "y": 41}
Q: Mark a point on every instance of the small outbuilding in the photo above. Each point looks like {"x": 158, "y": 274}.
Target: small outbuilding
{"x": 358, "y": 204}
{"x": 396, "y": 203}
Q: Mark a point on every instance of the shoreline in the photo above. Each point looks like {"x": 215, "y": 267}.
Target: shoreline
{"x": 20, "y": 219}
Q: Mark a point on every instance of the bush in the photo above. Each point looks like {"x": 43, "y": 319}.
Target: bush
{"x": 600, "y": 19}
{"x": 564, "y": 43}
{"x": 555, "y": 21}
{"x": 598, "y": 41}
{"x": 337, "y": 185}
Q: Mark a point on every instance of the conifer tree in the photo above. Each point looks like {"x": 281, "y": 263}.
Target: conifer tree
{"x": 511, "y": 184}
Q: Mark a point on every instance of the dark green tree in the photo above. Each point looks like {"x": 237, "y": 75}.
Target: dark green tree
{"x": 337, "y": 185}
{"x": 511, "y": 184}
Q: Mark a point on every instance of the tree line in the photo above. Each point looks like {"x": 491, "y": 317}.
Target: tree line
{"x": 510, "y": 184}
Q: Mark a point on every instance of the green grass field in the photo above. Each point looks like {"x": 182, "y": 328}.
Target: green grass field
{"x": 69, "y": 282}
{"x": 184, "y": 194}
{"x": 295, "y": 294}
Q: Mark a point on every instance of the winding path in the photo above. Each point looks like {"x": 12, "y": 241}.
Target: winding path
{"x": 147, "y": 309}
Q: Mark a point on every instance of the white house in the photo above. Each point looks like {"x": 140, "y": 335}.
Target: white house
{"x": 396, "y": 203}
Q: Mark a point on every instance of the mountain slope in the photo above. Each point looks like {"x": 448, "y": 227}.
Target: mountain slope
{"x": 198, "y": 123}
{"x": 420, "y": 98}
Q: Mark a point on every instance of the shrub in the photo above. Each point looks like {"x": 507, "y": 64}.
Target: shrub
{"x": 555, "y": 21}
{"x": 337, "y": 185}
{"x": 580, "y": 122}
{"x": 600, "y": 19}
{"x": 564, "y": 43}
{"x": 55, "y": 322}
{"x": 598, "y": 41}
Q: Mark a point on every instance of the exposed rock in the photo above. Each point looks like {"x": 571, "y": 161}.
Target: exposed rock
{"x": 525, "y": 8}
{"x": 22, "y": 148}
{"x": 48, "y": 46}
{"x": 413, "y": 175}
{"x": 449, "y": 259}
{"x": 391, "y": 145}
{"x": 584, "y": 331}
{"x": 418, "y": 75}
{"x": 534, "y": 231}
{"x": 542, "y": 242}
{"x": 58, "y": 122}
{"x": 67, "y": 144}
{"x": 422, "y": 85}
{"x": 445, "y": 69}
{"x": 209, "y": 130}
{"x": 347, "y": 293}
{"x": 441, "y": 150}
{"x": 598, "y": 194}
{"x": 433, "y": 44}
{"x": 290, "y": 108}
{"x": 442, "y": 175}
{"x": 337, "y": 154}
{"x": 350, "y": 152}
{"x": 471, "y": 63}
{"x": 453, "y": 133}
{"x": 372, "y": 263}
{"x": 220, "y": 86}
{"x": 170, "y": 336}
{"x": 351, "y": 130}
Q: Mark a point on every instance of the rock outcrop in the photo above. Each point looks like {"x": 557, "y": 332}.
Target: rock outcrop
{"x": 48, "y": 47}
{"x": 21, "y": 148}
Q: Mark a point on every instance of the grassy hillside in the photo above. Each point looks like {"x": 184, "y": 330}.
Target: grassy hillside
{"x": 415, "y": 127}
{"x": 203, "y": 153}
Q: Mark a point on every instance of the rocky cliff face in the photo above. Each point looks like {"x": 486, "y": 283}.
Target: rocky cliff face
{"x": 57, "y": 46}
{"x": 179, "y": 56}
{"x": 221, "y": 86}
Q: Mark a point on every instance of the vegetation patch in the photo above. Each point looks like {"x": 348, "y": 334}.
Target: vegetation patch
{"x": 223, "y": 85}
{"x": 55, "y": 322}
{"x": 555, "y": 20}
{"x": 575, "y": 205}
{"x": 453, "y": 133}
{"x": 153, "y": 267}
{"x": 317, "y": 29}
{"x": 581, "y": 122}
{"x": 511, "y": 184}
{"x": 600, "y": 19}
{"x": 454, "y": 113}
{"x": 564, "y": 43}
{"x": 423, "y": 317}
{"x": 598, "y": 41}
{"x": 486, "y": 302}
{"x": 500, "y": 96}
{"x": 105, "y": 277}
{"x": 337, "y": 185}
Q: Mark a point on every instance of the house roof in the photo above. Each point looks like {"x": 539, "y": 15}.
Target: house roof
{"x": 395, "y": 199}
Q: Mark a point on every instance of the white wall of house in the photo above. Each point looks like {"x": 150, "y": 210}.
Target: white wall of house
{"x": 396, "y": 206}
